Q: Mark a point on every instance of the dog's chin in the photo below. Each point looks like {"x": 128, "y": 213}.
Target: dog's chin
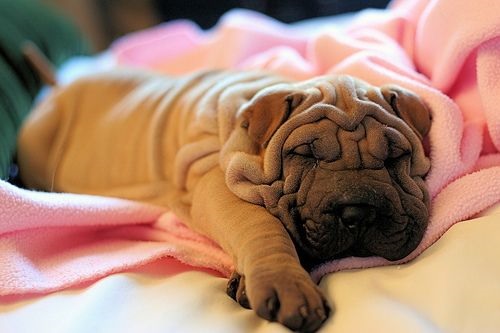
{"x": 319, "y": 253}
{"x": 391, "y": 237}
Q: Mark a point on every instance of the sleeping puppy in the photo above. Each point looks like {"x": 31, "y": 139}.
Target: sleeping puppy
{"x": 283, "y": 175}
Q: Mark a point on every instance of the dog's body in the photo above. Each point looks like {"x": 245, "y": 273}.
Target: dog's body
{"x": 275, "y": 172}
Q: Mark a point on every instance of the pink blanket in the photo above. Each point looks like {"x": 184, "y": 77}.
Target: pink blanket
{"x": 447, "y": 51}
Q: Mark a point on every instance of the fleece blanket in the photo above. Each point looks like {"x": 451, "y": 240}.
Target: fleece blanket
{"x": 453, "y": 67}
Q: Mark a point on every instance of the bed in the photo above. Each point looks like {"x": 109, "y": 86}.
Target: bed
{"x": 451, "y": 287}
{"x": 125, "y": 266}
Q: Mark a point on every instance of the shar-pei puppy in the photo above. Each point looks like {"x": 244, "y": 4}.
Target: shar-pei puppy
{"x": 282, "y": 175}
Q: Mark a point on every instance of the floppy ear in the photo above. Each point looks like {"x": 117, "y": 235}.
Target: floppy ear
{"x": 408, "y": 107}
{"x": 267, "y": 112}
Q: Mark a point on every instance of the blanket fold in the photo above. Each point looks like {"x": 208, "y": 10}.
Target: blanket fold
{"x": 51, "y": 241}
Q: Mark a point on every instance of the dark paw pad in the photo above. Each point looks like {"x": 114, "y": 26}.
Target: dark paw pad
{"x": 237, "y": 291}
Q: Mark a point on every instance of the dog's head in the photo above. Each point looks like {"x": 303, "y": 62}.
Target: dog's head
{"x": 344, "y": 163}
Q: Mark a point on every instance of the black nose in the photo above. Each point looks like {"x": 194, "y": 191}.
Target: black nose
{"x": 354, "y": 216}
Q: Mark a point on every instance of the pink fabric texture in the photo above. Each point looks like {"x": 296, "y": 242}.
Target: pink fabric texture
{"x": 50, "y": 241}
{"x": 447, "y": 51}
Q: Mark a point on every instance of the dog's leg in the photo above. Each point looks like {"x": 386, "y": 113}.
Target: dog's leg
{"x": 277, "y": 286}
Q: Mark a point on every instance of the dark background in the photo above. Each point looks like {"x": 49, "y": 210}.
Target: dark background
{"x": 105, "y": 20}
{"x": 206, "y": 13}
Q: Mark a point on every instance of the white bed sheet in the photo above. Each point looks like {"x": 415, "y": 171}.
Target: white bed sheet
{"x": 454, "y": 286}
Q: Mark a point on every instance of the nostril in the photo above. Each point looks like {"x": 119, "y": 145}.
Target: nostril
{"x": 354, "y": 215}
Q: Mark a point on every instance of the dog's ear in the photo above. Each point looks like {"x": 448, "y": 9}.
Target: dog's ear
{"x": 408, "y": 107}
{"x": 263, "y": 115}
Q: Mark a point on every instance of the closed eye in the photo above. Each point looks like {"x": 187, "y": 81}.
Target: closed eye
{"x": 396, "y": 151}
{"x": 304, "y": 150}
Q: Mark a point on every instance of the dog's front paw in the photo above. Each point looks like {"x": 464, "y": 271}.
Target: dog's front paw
{"x": 285, "y": 295}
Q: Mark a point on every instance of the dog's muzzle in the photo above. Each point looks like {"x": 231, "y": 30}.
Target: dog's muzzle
{"x": 356, "y": 213}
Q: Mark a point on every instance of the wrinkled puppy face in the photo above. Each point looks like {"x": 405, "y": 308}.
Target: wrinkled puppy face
{"x": 352, "y": 165}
